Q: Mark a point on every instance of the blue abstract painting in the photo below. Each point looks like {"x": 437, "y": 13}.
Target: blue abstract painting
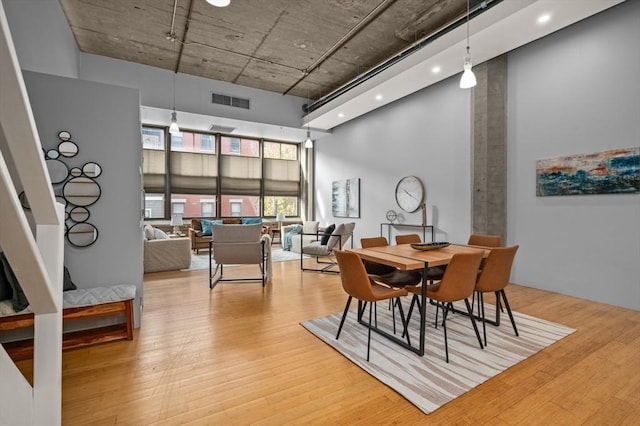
{"x": 614, "y": 171}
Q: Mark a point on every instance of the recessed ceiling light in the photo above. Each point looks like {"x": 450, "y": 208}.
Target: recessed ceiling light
{"x": 435, "y": 69}
{"x": 543, "y": 19}
{"x": 341, "y": 115}
{"x": 219, "y": 3}
{"x": 378, "y": 97}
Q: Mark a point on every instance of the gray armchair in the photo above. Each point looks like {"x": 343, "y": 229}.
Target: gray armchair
{"x": 324, "y": 247}
{"x": 235, "y": 245}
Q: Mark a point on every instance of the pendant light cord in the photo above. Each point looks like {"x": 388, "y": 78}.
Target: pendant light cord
{"x": 468, "y": 10}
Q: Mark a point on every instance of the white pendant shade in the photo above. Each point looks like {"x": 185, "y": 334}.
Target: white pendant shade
{"x": 173, "y": 128}
{"x": 308, "y": 143}
{"x": 468, "y": 79}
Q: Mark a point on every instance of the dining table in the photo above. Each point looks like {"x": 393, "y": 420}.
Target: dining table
{"x": 405, "y": 257}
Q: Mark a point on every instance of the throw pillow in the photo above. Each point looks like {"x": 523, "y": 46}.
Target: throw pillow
{"x": 206, "y": 227}
{"x": 148, "y": 232}
{"x": 327, "y": 233}
{"x": 67, "y": 284}
{"x": 159, "y": 234}
{"x": 251, "y": 220}
{"x": 19, "y": 300}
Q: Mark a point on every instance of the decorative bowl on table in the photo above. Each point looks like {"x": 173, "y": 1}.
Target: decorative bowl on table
{"x": 430, "y": 246}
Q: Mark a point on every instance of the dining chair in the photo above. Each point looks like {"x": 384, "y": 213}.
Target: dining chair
{"x": 458, "y": 283}
{"x": 357, "y": 283}
{"x": 408, "y": 239}
{"x": 386, "y": 274}
{"x": 485, "y": 240}
{"x": 433, "y": 273}
{"x": 494, "y": 277}
{"x": 336, "y": 238}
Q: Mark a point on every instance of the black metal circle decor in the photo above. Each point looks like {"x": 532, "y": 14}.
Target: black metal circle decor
{"x": 82, "y": 234}
{"x": 79, "y": 190}
{"x": 79, "y": 214}
{"x": 58, "y": 171}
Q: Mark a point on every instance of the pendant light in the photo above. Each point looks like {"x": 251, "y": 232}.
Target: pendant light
{"x": 174, "y": 128}
{"x": 308, "y": 143}
{"x": 468, "y": 79}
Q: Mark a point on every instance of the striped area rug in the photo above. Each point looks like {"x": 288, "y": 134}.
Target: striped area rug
{"x": 429, "y": 382}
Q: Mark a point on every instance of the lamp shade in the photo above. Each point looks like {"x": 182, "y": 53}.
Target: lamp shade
{"x": 176, "y": 219}
{"x": 468, "y": 79}
{"x": 280, "y": 217}
{"x": 173, "y": 128}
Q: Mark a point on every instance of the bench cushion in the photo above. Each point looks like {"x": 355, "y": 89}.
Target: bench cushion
{"x": 98, "y": 295}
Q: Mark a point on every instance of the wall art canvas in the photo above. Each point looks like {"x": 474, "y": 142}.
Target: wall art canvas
{"x": 345, "y": 198}
{"x": 614, "y": 171}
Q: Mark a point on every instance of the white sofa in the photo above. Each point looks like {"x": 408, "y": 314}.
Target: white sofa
{"x": 310, "y": 232}
{"x": 162, "y": 253}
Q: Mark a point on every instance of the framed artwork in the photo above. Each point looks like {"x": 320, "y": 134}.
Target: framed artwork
{"x": 345, "y": 198}
{"x": 610, "y": 172}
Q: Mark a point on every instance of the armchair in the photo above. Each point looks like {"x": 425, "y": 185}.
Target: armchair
{"x": 238, "y": 244}
{"x": 338, "y": 238}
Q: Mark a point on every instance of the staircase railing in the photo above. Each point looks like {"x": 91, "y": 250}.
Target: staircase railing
{"x": 36, "y": 256}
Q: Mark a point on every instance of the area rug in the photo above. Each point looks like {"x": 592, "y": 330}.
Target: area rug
{"x": 429, "y": 382}
{"x": 201, "y": 261}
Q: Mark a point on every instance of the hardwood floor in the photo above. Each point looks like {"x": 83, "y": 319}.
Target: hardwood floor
{"x": 237, "y": 355}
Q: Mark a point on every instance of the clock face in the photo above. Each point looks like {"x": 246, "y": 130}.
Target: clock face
{"x": 409, "y": 193}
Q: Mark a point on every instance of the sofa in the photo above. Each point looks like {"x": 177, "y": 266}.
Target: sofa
{"x": 200, "y": 239}
{"x": 162, "y": 253}
{"x": 300, "y": 234}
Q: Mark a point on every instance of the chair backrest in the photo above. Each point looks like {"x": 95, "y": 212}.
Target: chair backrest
{"x": 496, "y": 271}
{"x": 237, "y": 243}
{"x": 373, "y": 242}
{"x": 408, "y": 239}
{"x": 485, "y": 240}
{"x": 374, "y": 267}
{"x": 355, "y": 280}
{"x": 340, "y": 236}
{"x": 459, "y": 278}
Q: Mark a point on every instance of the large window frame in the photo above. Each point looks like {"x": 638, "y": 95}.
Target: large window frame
{"x": 266, "y": 182}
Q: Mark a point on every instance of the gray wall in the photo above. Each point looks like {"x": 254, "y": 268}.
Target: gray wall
{"x": 193, "y": 94}
{"x": 42, "y": 37}
{"x": 573, "y": 92}
{"x": 576, "y": 92}
{"x": 426, "y": 135}
{"x": 104, "y": 121}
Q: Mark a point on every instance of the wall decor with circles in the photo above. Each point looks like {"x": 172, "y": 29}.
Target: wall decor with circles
{"x": 75, "y": 187}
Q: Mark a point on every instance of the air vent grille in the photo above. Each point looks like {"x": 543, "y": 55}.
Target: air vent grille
{"x": 231, "y": 101}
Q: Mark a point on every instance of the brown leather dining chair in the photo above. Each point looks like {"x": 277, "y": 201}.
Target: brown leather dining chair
{"x": 386, "y": 274}
{"x": 458, "y": 283}
{"x": 357, "y": 283}
{"x": 485, "y": 240}
{"x": 433, "y": 273}
{"x": 408, "y": 239}
{"x": 494, "y": 277}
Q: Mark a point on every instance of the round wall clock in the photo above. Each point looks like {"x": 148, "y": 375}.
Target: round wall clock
{"x": 409, "y": 193}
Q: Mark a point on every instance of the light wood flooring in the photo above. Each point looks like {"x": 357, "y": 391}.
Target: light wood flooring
{"x": 237, "y": 355}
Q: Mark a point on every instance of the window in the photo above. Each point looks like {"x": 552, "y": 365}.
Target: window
{"x": 281, "y": 179}
{"x": 236, "y": 207}
{"x": 234, "y": 145}
{"x": 153, "y": 171}
{"x": 206, "y": 175}
{"x": 207, "y": 208}
{"x": 177, "y": 205}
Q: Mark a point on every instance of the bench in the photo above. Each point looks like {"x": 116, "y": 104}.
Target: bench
{"x": 79, "y": 304}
